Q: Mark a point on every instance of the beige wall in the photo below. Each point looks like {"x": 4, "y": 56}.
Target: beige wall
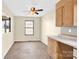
{"x": 48, "y": 26}
{"x": 7, "y": 38}
{"x": 19, "y": 29}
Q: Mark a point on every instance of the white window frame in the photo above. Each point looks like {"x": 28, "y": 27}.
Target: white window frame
{"x": 29, "y": 27}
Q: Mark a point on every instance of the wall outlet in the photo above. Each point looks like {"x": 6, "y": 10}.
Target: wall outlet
{"x": 70, "y": 30}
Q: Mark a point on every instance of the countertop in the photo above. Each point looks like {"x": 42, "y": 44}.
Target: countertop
{"x": 66, "y": 40}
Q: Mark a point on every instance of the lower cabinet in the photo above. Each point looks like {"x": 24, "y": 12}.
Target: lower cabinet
{"x": 74, "y": 53}
{"x": 58, "y": 50}
{"x": 52, "y": 48}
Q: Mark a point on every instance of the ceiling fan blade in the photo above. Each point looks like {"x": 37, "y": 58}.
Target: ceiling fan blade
{"x": 39, "y": 10}
{"x": 36, "y": 13}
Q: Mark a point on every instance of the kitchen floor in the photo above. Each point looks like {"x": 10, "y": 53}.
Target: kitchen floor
{"x": 28, "y": 50}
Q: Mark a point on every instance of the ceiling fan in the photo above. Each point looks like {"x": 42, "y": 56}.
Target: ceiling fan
{"x": 35, "y": 11}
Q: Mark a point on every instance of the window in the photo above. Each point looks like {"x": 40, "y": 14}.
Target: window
{"x": 29, "y": 27}
{"x": 6, "y": 24}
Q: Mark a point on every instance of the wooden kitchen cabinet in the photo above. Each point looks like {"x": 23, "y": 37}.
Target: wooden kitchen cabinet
{"x": 59, "y": 50}
{"x": 52, "y": 48}
{"x": 65, "y": 13}
{"x": 65, "y": 51}
{"x": 59, "y": 15}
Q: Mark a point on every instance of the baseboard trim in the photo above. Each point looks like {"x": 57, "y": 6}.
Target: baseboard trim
{"x": 44, "y": 44}
{"x": 30, "y": 41}
{"x": 26, "y": 41}
{"x": 8, "y": 50}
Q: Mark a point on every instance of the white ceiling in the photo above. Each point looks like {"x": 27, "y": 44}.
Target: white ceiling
{"x": 18, "y": 7}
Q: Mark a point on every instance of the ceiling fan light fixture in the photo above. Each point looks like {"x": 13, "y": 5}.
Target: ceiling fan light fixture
{"x": 35, "y": 11}
{"x": 32, "y": 13}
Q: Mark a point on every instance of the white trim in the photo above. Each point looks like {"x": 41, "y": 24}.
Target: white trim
{"x": 7, "y": 50}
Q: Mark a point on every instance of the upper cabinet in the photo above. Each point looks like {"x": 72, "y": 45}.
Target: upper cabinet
{"x": 59, "y": 16}
{"x": 65, "y": 13}
{"x": 75, "y": 12}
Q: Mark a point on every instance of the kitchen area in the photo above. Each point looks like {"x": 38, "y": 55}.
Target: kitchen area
{"x": 64, "y": 45}
{"x": 53, "y": 35}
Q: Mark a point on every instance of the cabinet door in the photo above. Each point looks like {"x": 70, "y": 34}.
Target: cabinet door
{"x": 65, "y": 13}
{"x": 68, "y": 13}
{"x": 52, "y": 48}
{"x": 75, "y": 13}
{"x": 58, "y": 50}
{"x": 59, "y": 16}
{"x": 65, "y": 51}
